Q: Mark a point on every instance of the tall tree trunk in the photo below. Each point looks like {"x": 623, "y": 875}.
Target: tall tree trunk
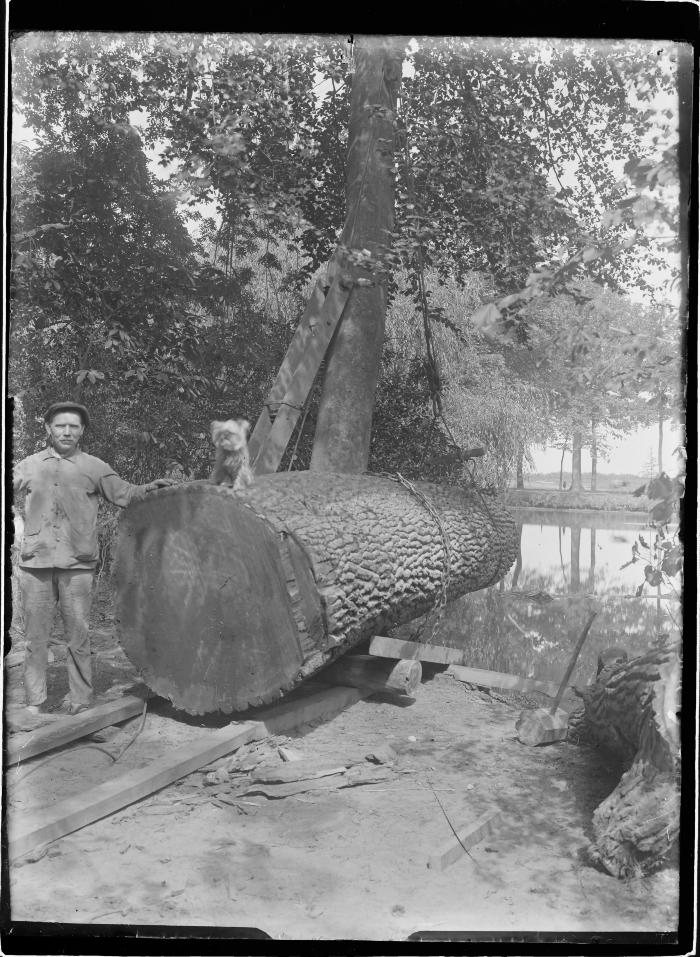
{"x": 661, "y": 437}
{"x": 519, "y": 482}
{"x": 561, "y": 467}
{"x": 591, "y": 570}
{"x": 575, "y": 560}
{"x": 594, "y": 457}
{"x": 344, "y": 421}
{"x": 576, "y": 442}
{"x": 518, "y": 561}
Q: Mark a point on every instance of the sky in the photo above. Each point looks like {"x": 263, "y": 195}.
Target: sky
{"x": 630, "y": 454}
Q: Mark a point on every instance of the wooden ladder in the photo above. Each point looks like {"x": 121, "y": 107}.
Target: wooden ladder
{"x": 295, "y": 378}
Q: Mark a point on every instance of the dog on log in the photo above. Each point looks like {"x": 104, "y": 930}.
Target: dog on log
{"x": 232, "y": 462}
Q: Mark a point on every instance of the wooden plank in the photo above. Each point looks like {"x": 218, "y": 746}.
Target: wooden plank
{"x": 496, "y": 679}
{"x": 69, "y": 729}
{"x": 465, "y": 838}
{"x": 313, "y": 707}
{"x": 295, "y": 350}
{"x": 271, "y": 452}
{"x": 75, "y": 812}
{"x": 395, "y": 648}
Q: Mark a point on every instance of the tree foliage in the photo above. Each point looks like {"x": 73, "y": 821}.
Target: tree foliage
{"x": 526, "y": 163}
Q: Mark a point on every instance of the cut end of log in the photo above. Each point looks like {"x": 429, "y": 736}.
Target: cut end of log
{"x": 539, "y": 726}
{"x": 206, "y": 601}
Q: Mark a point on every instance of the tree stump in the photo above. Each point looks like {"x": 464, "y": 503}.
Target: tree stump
{"x": 632, "y": 711}
{"x": 227, "y": 599}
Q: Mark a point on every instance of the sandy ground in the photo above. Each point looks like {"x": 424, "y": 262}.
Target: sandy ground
{"x": 334, "y": 863}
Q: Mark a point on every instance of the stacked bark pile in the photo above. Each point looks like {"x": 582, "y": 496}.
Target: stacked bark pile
{"x": 632, "y": 710}
{"x": 227, "y": 599}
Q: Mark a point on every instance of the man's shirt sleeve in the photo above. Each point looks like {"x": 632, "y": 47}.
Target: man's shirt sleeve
{"x": 116, "y": 490}
{"x": 21, "y": 476}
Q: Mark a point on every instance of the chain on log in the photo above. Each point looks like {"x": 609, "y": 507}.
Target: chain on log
{"x": 227, "y": 599}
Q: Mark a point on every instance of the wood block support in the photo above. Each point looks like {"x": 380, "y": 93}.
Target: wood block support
{"x": 395, "y": 648}
{"x": 376, "y": 674}
{"x": 454, "y": 657}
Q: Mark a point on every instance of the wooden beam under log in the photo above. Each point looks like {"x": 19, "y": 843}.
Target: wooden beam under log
{"x": 374, "y": 674}
{"x": 454, "y": 657}
{"x": 227, "y": 599}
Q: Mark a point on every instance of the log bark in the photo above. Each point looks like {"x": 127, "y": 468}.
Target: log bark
{"x": 229, "y": 599}
{"x": 631, "y": 710}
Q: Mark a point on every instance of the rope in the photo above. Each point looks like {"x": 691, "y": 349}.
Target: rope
{"x": 433, "y": 369}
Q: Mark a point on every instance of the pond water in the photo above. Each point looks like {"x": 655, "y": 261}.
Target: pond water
{"x": 569, "y": 565}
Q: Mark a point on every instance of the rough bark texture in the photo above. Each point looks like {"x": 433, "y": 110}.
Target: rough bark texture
{"x": 344, "y": 421}
{"x": 228, "y": 599}
{"x": 632, "y": 711}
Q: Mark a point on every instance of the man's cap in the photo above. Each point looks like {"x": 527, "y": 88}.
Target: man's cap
{"x": 57, "y": 407}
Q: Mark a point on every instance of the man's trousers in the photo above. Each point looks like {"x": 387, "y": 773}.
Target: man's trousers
{"x": 42, "y": 590}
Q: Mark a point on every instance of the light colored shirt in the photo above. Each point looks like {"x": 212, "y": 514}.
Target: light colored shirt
{"x": 60, "y": 512}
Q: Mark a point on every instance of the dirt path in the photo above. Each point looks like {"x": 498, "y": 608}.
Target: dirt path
{"x": 346, "y": 863}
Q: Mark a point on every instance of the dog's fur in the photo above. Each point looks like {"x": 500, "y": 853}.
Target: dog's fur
{"x": 232, "y": 463}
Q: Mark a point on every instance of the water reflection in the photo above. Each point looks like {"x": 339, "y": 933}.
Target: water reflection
{"x": 568, "y": 563}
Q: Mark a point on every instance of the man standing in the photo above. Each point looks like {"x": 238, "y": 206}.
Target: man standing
{"x": 59, "y": 550}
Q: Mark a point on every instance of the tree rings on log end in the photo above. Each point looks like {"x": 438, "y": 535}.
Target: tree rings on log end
{"x": 211, "y": 606}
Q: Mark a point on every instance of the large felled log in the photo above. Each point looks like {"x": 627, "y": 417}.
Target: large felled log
{"x": 228, "y": 599}
{"x": 632, "y": 710}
